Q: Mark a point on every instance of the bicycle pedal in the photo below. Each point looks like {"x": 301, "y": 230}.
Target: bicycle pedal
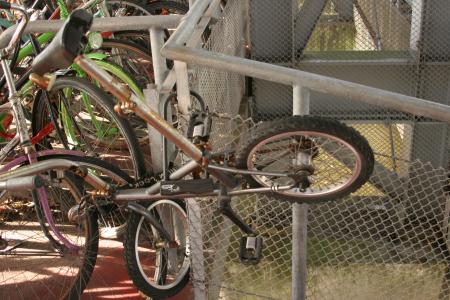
{"x": 194, "y": 186}
{"x": 250, "y": 250}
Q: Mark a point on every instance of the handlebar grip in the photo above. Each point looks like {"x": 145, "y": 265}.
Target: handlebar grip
{"x": 5, "y": 5}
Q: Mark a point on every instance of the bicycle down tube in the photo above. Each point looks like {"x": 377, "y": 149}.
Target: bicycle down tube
{"x": 129, "y": 101}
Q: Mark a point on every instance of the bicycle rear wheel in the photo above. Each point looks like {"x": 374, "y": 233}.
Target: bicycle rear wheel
{"x": 167, "y": 7}
{"x": 120, "y": 8}
{"x": 34, "y": 265}
{"x": 137, "y": 63}
{"x": 329, "y": 159}
{"x": 134, "y": 59}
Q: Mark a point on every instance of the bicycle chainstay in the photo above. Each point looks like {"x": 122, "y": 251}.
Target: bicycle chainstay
{"x": 142, "y": 182}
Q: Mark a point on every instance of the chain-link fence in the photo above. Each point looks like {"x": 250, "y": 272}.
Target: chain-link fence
{"x": 388, "y": 240}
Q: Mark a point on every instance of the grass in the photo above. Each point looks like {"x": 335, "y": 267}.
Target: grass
{"x": 337, "y": 269}
{"x": 355, "y": 281}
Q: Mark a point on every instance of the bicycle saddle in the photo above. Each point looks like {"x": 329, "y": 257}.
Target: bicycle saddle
{"x": 66, "y": 45}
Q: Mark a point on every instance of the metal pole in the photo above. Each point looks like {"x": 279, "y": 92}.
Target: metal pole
{"x": 323, "y": 84}
{"x": 175, "y": 50}
{"x": 196, "y": 249}
{"x": 153, "y": 96}
{"x": 194, "y": 209}
{"x": 299, "y": 213}
{"x": 99, "y": 24}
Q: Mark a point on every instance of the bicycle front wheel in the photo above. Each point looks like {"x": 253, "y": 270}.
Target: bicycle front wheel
{"x": 84, "y": 119}
{"x": 336, "y": 158}
{"x": 34, "y": 264}
{"x": 158, "y": 269}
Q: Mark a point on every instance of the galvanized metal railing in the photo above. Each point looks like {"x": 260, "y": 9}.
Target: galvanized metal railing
{"x": 181, "y": 48}
{"x": 175, "y": 49}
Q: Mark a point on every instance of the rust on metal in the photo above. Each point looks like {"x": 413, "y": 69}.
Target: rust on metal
{"x": 45, "y": 82}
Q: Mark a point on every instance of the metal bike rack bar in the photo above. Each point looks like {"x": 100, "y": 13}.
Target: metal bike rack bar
{"x": 175, "y": 49}
{"x": 102, "y": 24}
{"x": 301, "y": 82}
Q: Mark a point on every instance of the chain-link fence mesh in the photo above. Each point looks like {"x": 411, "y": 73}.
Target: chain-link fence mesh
{"x": 388, "y": 240}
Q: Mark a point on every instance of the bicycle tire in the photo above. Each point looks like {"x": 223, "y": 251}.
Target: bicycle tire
{"x": 112, "y": 222}
{"x": 171, "y": 7}
{"x": 123, "y": 140}
{"x": 163, "y": 7}
{"x": 135, "y": 8}
{"x": 148, "y": 269}
{"x": 138, "y": 64}
{"x": 346, "y": 152}
{"x": 138, "y": 8}
{"x": 66, "y": 274}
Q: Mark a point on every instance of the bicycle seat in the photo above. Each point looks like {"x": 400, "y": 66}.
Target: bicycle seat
{"x": 66, "y": 45}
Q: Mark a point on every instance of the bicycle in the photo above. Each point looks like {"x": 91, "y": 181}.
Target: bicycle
{"x": 97, "y": 107}
{"x": 37, "y": 234}
{"x": 75, "y": 114}
{"x": 300, "y": 159}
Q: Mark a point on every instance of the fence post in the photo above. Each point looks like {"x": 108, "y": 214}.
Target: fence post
{"x": 300, "y": 106}
{"x": 196, "y": 249}
{"x": 193, "y": 207}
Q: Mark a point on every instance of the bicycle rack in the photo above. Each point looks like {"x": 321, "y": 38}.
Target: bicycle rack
{"x": 180, "y": 47}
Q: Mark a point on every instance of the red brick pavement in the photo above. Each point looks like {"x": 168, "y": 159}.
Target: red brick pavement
{"x": 110, "y": 279}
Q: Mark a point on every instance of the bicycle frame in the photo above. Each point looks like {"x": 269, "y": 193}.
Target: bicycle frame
{"x": 129, "y": 102}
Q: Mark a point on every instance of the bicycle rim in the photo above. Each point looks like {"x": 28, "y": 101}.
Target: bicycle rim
{"x": 157, "y": 269}
{"x": 36, "y": 266}
{"x": 330, "y": 172}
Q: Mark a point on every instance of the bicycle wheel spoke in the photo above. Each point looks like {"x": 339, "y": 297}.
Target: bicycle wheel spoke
{"x": 34, "y": 268}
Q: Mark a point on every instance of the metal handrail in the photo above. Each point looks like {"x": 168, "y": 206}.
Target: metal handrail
{"x": 175, "y": 49}
{"x": 100, "y": 24}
